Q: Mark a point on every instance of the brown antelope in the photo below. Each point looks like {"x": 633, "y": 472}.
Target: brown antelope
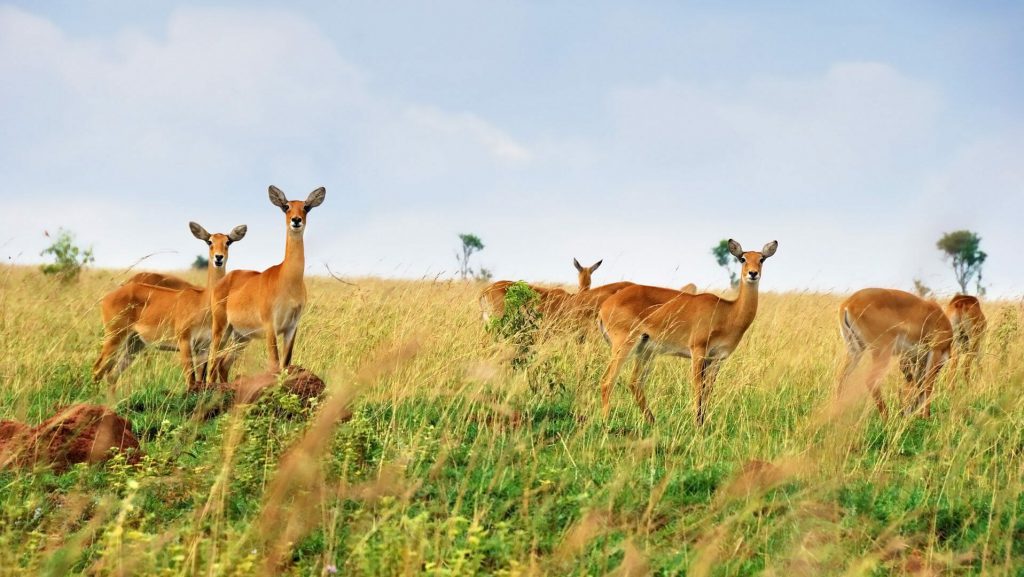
{"x": 969, "y": 326}
{"x": 492, "y": 298}
{"x": 137, "y": 314}
{"x": 266, "y": 304}
{"x": 887, "y": 322}
{"x": 648, "y": 321}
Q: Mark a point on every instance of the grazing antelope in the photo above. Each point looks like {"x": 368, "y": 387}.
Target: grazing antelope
{"x": 266, "y": 304}
{"x": 492, "y": 298}
{"x": 887, "y": 322}
{"x": 969, "y": 326}
{"x": 648, "y": 321}
{"x": 138, "y": 314}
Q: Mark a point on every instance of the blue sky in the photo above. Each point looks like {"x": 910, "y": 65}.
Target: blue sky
{"x": 640, "y": 133}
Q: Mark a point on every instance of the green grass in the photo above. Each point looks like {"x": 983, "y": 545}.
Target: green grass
{"x": 447, "y": 461}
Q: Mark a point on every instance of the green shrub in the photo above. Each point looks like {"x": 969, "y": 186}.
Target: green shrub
{"x": 518, "y": 324}
{"x": 69, "y": 259}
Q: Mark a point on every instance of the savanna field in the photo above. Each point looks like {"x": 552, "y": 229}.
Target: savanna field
{"x": 433, "y": 453}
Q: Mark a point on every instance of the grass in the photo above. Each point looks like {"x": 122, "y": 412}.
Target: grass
{"x": 433, "y": 456}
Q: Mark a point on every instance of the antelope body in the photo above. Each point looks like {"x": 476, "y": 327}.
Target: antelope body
{"x": 647, "y": 321}
{"x": 138, "y": 314}
{"x": 552, "y": 300}
{"x": 889, "y": 322}
{"x": 267, "y": 304}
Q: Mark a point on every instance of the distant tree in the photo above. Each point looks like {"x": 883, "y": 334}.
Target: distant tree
{"x": 69, "y": 259}
{"x": 483, "y": 275}
{"x": 921, "y": 289}
{"x": 724, "y": 259}
{"x": 963, "y": 250}
{"x": 201, "y": 262}
{"x": 471, "y": 243}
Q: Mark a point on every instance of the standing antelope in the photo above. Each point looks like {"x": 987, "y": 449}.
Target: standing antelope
{"x": 492, "y": 298}
{"x": 249, "y": 304}
{"x": 137, "y": 314}
{"x": 887, "y": 322}
{"x": 649, "y": 321}
{"x": 969, "y": 326}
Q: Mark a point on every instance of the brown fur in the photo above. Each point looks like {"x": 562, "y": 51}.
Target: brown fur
{"x": 969, "y": 327}
{"x": 138, "y": 314}
{"x": 492, "y": 298}
{"x": 888, "y": 322}
{"x": 648, "y": 321}
{"x": 266, "y": 304}
{"x": 161, "y": 280}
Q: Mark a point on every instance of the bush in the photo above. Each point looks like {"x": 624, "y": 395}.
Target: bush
{"x": 69, "y": 260}
{"x": 518, "y": 324}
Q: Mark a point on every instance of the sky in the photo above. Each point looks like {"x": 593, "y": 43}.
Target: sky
{"x": 639, "y": 133}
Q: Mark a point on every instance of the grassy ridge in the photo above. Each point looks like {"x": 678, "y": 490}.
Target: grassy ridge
{"x": 433, "y": 456}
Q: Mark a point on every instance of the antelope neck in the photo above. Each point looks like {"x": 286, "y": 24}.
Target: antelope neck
{"x": 294, "y": 258}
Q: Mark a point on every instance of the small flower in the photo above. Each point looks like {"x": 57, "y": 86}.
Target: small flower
{"x": 331, "y": 569}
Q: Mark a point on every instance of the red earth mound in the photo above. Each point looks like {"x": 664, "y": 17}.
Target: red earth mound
{"x": 78, "y": 434}
{"x": 248, "y": 389}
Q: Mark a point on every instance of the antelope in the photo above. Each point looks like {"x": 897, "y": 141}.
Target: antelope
{"x": 492, "y": 298}
{"x": 647, "y": 321}
{"x": 266, "y": 304}
{"x": 138, "y": 314}
{"x": 969, "y": 327}
{"x": 887, "y": 322}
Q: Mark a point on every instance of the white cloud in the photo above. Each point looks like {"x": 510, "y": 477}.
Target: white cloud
{"x": 194, "y": 122}
{"x": 467, "y": 125}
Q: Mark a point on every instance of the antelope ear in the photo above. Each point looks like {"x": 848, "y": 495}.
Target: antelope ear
{"x": 238, "y": 233}
{"x": 577, "y": 264}
{"x": 596, "y": 264}
{"x": 199, "y": 232}
{"x": 769, "y": 249}
{"x": 277, "y": 198}
{"x": 315, "y": 198}
{"x": 735, "y": 249}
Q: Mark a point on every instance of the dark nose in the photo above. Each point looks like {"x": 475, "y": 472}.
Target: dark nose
{"x": 219, "y": 258}
{"x": 296, "y": 221}
{"x": 753, "y": 274}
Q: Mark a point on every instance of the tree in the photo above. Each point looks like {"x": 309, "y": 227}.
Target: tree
{"x": 201, "y": 262}
{"x": 724, "y": 259}
{"x": 471, "y": 243}
{"x": 69, "y": 259}
{"x": 963, "y": 249}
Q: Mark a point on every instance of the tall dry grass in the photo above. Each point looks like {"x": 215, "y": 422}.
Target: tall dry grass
{"x": 431, "y": 455}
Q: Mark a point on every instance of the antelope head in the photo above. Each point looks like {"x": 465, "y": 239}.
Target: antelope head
{"x": 752, "y": 261}
{"x": 295, "y": 211}
{"x": 585, "y": 272}
{"x": 218, "y": 243}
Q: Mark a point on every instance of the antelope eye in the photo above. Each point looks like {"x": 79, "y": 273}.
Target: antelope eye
{"x": 742, "y": 259}
{"x": 209, "y": 243}
{"x": 762, "y": 259}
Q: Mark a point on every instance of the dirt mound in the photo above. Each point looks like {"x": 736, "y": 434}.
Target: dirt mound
{"x": 297, "y": 380}
{"x": 78, "y": 434}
